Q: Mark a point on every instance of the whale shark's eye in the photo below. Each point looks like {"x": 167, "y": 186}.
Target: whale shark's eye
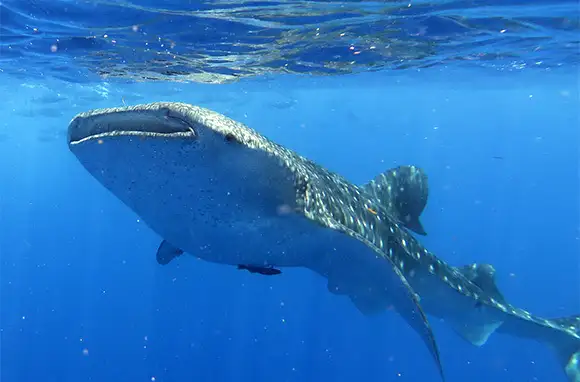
{"x": 229, "y": 137}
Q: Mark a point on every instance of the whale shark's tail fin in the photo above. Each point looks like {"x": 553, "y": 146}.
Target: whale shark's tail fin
{"x": 568, "y": 348}
{"x": 476, "y": 326}
{"x": 403, "y": 192}
{"x": 572, "y": 366}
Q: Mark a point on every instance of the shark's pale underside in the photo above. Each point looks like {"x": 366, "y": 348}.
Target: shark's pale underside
{"x": 218, "y": 190}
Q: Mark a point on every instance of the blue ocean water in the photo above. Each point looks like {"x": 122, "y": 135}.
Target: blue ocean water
{"x": 483, "y": 95}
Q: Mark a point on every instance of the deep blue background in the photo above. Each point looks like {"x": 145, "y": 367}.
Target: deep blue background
{"x": 82, "y": 298}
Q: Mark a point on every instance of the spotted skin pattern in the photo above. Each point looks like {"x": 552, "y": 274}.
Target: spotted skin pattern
{"x": 372, "y": 214}
{"x": 403, "y": 192}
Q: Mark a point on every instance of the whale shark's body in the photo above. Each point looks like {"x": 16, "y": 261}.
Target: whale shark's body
{"x": 220, "y": 191}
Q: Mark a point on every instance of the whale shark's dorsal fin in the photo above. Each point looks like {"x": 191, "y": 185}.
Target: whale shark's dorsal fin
{"x": 483, "y": 275}
{"x": 403, "y": 192}
{"x": 473, "y": 324}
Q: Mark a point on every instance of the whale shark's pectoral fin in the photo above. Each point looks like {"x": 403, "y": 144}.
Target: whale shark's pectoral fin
{"x": 167, "y": 252}
{"x": 406, "y": 303}
{"x": 403, "y": 192}
{"x": 401, "y": 295}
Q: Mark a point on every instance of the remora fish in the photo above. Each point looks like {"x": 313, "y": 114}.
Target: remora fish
{"x": 266, "y": 271}
{"x": 220, "y": 191}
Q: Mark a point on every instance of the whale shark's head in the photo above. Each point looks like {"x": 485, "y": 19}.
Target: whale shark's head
{"x": 209, "y": 133}
{"x": 160, "y": 137}
{"x": 131, "y": 121}
{"x": 176, "y": 164}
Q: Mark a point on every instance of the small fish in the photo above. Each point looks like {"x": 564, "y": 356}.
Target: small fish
{"x": 497, "y": 157}
{"x": 268, "y": 271}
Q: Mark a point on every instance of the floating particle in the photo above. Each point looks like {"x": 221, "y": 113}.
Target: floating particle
{"x": 284, "y": 209}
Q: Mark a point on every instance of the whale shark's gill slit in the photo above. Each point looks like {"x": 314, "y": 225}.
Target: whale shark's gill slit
{"x": 231, "y": 138}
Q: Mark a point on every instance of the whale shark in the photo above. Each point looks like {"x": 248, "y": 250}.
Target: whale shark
{"x": 218, "y": 190}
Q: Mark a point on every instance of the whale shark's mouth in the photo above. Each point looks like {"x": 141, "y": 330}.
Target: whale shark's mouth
{"x": 131, "y": 121}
